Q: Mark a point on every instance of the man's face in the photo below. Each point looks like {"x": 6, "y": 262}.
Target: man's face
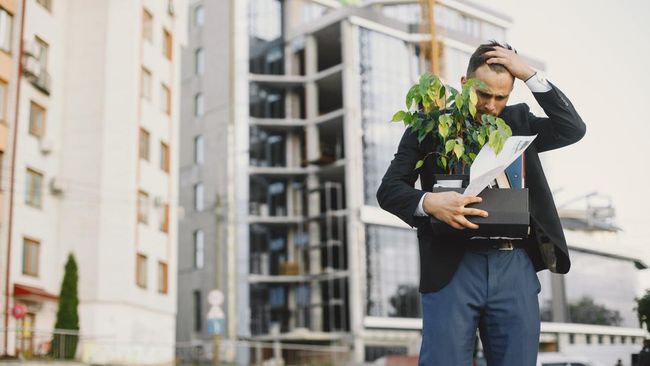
{"x": 499, "y": 86}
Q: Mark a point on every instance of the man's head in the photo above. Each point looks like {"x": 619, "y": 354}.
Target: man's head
{"x": 498, "y": 79}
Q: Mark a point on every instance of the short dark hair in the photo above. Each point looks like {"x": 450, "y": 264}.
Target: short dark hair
{"x": 478, "y": 58}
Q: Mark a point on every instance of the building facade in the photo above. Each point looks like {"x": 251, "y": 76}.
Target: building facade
{"x": 285, "y": 139}
{"x": 94, "y": 174}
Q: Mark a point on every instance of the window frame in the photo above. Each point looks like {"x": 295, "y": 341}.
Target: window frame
{"x": 28, "y": 254}
{"x": 32, "y": 198}
{"x": 141, "y": 264}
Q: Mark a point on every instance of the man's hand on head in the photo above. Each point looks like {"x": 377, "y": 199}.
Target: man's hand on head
{"x": 511, "y": 61}
{"x": 449, "y": 207}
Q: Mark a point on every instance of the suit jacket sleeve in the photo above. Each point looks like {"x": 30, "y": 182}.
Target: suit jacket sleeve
{"x": 397, "y": 194}
{"x": 562, "y": 127}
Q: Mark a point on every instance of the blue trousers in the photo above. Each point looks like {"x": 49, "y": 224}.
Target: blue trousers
{"x": 493, "y": 291}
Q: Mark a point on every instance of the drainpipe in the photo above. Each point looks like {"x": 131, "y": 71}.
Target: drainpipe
{"x": 12, "y": 176}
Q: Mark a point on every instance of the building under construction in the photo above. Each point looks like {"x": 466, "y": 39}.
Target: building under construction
{"x": 285, "y": 139}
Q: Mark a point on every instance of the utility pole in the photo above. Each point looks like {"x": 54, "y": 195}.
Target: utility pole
{"x": 428, "y": 25}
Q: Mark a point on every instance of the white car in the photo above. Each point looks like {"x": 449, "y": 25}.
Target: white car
{"x": 558, "y": 359}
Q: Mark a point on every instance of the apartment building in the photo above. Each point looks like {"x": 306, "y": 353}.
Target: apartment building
{"x": 95, "y": 174}
{"x": 284, "y": 142}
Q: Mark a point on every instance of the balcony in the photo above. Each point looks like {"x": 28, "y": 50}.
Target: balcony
{"x": 36, "y": 73}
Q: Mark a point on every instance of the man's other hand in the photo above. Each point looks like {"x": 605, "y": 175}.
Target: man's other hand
{"x": 449, "y": 207}
{"x": 511, "y": 61}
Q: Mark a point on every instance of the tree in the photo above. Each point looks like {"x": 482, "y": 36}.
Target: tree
{"x": 67, "y": 316}
{"x": 585, "y": 311}
{"x": 643, "y": 309}
{"x": 406, "y": 302}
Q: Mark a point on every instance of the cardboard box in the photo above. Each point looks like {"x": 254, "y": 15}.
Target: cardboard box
{"x": 508, "y": 215}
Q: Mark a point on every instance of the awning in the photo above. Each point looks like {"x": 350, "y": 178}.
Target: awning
{"x": 32, "y": 293}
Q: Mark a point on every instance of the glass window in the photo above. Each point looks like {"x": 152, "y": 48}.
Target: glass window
{"x": 31, "y": 251}
{"x": 144, "y": 144}
{"x": 6, "y": 27}
{"x": 198, "y": 249}
{"x": 147, "y": 25}
{"x": 198, "y": 105}
{"x": 199, "y": 61}
{"x": 167, "y": 44}
{"x": 34, "y": 189}
{"x": 198, "y": 150}
{"x": 42, "y": 51}
{"x": 265, "y": 19}
{"x": 143, "y": 207}
{"x": 165, "y": 99}
{"x": 36, "y": 120}
{"x": 164, "y": 220}
{"x": 601, "y": 290}
{"x": 407, "y": 13}
{"x": 198, "y": 312}
{"x": 141, "y": 271}
{"x": 3, "y": 101}
{"x": 198, "y": 197}
{"x": 385, "y": 78}
{"x": 145, "y": 84}
{"x": 392, "y": 272}
{"x": 47, "y": 4}
{"x": 163, "y": 281}
{"x": 164, "y": 157}
{"x": 199, "y": 16}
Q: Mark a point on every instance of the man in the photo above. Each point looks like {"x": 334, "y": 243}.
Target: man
{"x": 488, "y": 284}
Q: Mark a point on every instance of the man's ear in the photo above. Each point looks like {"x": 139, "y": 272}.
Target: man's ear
{"x": 463, "y": 80}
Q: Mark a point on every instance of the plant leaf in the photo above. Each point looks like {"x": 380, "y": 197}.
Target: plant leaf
{"x": 443, "y": 160}
{"x": 472, "y": 109}
{"x": 459, "y": 149}
{"x": 399, "y": 116}
{"x": 419, "y": 164}
{"x": 473, "y": 98}
{"x": 449, "y": 146}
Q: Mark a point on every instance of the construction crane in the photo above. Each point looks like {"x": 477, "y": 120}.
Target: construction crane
{"x": 430, "y": 50}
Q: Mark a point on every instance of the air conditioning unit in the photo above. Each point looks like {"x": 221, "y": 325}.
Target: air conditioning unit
{"x": 158, "y": 201}
{"x": 170, "y": 7}
{"x": 56, "y": 186}
{"x": 46, "y": 146}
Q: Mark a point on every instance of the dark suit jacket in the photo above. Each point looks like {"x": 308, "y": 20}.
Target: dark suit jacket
{"x": 546, "y": 244}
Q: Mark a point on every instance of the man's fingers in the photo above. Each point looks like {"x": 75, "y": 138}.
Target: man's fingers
{"x": 498, "y": 60}
{"x": 474, "y": 212}
{"x": 469, "y": 200}
{"x": 464, "y": 222}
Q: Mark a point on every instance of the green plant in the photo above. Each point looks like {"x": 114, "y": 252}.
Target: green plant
{"x": 67, "y": 317}
{"x": 643, "y": 309}
{"x": 450, "y": 117}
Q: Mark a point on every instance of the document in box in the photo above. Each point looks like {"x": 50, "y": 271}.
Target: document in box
{"x": 488, "y": 165}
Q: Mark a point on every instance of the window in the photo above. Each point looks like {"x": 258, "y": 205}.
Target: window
{"x": 165, "y": 99}
{"x": 3, "y": 101}
{"x": 198, "y": 149}
{"x": 164, "y": 157}
{"x": 199, "y": 61}
{"x": 167, "y": 44}
{"x": 47, "y": 4}
{"x": 199, "y": 16}
{"x": 34, "y": 191}
{"x": 6, "y": 25}
{"x": 198, "y": 249}
{"x": 162, "y": 278}
{"x": 36, "y": 120}
{"x": 164, "y": 222}
{"x": 31, "y": 249}
{"x": 198, "y": 313}
{"x": 42, "y": 51}
{"x": 145, "y": 84}
{"x": 198, "y": 197}
{"x": 143, "y": 207}
{"x": 144, "y": 144}
{"x": 198, "y": 105}
{"x": 141, "y": 271}
{"x": 147, "y": 26}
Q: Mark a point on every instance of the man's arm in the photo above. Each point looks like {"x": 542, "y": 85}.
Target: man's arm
{"x": 563, "y": 126}
{"x": 397, "y": 194}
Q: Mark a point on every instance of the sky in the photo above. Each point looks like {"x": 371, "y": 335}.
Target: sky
{"x": 597, "y": 53}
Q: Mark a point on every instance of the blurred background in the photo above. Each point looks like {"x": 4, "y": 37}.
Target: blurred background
{"x": 193, "y": 181}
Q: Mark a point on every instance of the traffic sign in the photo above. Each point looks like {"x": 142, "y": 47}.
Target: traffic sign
{"x": 19, "y": 311}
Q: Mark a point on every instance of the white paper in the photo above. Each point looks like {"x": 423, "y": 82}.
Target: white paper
{"x": 488, "y": 165}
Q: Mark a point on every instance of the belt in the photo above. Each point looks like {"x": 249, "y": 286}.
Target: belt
{"x": 479, "y": 245}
